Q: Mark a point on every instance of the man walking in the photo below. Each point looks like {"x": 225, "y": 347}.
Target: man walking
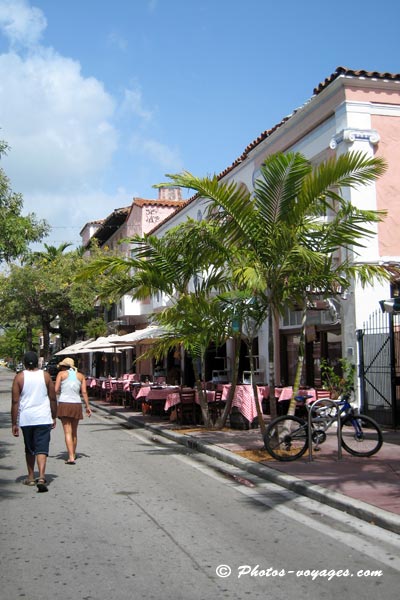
{"x": 34, "y": 409}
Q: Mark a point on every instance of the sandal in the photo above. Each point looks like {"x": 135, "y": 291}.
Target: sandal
{"x": 42, "y": 485}
{"x": 29, "y": 482}
{"x": 70, "y": 462}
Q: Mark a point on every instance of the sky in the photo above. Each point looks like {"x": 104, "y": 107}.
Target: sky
{"x": 100, "y": 99}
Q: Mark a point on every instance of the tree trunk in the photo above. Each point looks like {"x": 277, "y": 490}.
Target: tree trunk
{"x": 200, "y": 386}
{"x": 46, "y": 337}
{"x": 220, "y": 423}
{"x": 29, "y": 338}
{"x": 300, "y": 363}
{"x": 255, "y": 392}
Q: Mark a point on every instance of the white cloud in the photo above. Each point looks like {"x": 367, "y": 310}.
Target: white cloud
{"x": 68, "y": 215}
{"x": 159, "y": 153}
{"x": 62, "y": 129}
{"x": 58, "y": 123}
{"x": 21, "y": 23}
{"x": 133, "y": 103}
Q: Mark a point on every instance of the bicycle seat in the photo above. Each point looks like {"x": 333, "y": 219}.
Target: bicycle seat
{"x": 303, "y": 398}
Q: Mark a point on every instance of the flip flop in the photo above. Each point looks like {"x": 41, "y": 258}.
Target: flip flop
{"x": 42, "y": 485}
{"x": 29, "y": 482}
{"x": 70, "y": 462}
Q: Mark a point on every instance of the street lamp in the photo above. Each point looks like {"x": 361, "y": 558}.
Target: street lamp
{"x": 391, "y": 306}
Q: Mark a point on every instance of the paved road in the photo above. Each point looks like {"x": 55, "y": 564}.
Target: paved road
{"x": 140, "y": 518}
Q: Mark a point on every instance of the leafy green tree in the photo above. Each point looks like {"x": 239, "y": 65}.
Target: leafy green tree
{"x": 41, "y": 290}
{"x": 51, "y": 254}
{"x": 16, "y": 231}
{"x": 95, "y": 327}
{"x": 13, "y": 342}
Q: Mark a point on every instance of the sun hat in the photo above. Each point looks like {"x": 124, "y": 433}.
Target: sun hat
{"x": 67, "y": 362}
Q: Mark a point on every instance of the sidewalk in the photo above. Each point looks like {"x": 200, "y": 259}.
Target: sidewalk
{"x": 368, "y": 488}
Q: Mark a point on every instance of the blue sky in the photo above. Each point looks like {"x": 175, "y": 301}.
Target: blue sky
{"x": 100, "y": 99}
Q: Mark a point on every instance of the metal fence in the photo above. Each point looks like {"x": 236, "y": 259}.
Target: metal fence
{"x": 379, "y": 352}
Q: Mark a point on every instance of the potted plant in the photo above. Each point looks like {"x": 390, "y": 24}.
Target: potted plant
{"x": 341, "y": 382}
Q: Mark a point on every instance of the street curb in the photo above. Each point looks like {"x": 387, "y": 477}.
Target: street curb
{"x": 351, "y": 506}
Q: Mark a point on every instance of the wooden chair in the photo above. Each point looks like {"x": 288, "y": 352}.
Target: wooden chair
{"x": 135, "y": 403}
{"x": 216, "y": 407}
{"x": 186, "y": 410}
{"x": 327, "y": 409}
{"x": 106, "y": 390}
{"x": 320, "y": 393}
{"x": 95, "y": 390}
{"x": 118, "y": 393}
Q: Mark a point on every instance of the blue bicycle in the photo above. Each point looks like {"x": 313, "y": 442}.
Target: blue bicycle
{"x": 286, "y": 438}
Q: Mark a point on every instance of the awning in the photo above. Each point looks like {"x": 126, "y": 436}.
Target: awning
{"x": 102, "y": 344}
{"x": 142, "y": 336}
{"x": 109, "y": 343}
{"x": 76, "y": 348}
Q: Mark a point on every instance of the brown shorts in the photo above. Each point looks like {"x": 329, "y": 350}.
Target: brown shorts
{"x": 73, "y": 410}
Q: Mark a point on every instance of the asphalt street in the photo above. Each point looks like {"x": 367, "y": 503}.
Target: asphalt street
{"x": 140, "y": 517}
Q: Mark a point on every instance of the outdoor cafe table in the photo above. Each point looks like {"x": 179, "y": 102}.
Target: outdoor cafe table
{"x": 92, "y": 382}
{"x": 155, "y": 393}
{"x": 244, "y": 398}
{"x": 174, "y": 398}
{"x": 285, "y": 393}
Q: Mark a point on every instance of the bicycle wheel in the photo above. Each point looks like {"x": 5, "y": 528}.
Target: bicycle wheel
{"x": 286, "y": 438}
{"x": 361, "y": 436}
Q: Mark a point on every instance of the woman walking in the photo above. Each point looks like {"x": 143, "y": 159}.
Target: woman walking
{"x": 71, "y": 384}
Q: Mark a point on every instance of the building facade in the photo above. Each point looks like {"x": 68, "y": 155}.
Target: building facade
{"x": 139, "y": 218}
{"x": 349, "y": 111}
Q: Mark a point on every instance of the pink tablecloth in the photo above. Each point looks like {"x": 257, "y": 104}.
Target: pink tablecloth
{"x": 244, "y": 398}
{"x": 154, "y": 393}
{"x": 173, "y": 398}
{"x": 285, "y": 393}
{"x": 91, "y": 382}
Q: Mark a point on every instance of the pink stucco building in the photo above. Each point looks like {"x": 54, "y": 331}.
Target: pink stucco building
{"x": 349, "y": 110}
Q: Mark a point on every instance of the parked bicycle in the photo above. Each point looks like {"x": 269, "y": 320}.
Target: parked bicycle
{"x": 287, "y": 437}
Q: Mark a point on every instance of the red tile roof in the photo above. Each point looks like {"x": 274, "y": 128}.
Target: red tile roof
{"x": 353, "y": 73}
{"x": 110, "y": 224}
{"x": 172, "y": 203}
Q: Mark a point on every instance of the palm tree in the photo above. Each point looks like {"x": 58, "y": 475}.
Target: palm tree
{"x": 288, "y": 246}
{"x": 189, "y": 267}
{"x": 51, "y": 254}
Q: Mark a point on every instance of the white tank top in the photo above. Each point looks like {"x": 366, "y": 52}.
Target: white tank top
{"x": 34, "y": 402}
{"x": 70, "y": 388}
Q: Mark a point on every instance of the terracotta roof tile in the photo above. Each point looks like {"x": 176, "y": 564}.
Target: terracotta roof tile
{"x": 172, "y": 203}
{"x": 354, "y": 73}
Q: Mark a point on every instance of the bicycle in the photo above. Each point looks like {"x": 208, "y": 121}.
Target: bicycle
{"x": 286, "y": 438}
